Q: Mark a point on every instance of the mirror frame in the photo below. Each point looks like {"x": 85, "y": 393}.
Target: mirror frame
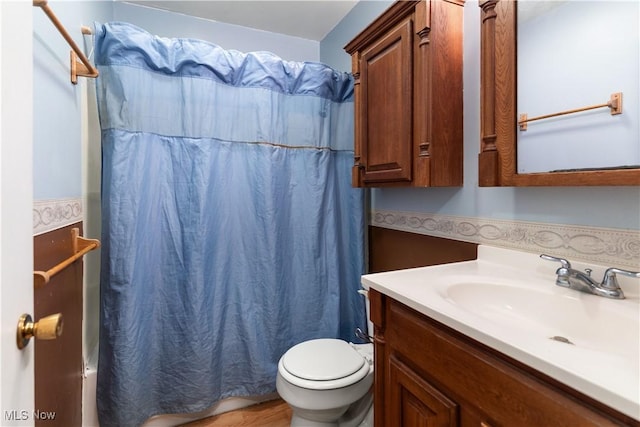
{"x": 497, "y": 161}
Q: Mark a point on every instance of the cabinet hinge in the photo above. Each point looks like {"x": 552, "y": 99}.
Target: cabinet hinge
{"x": 424, "y": 149}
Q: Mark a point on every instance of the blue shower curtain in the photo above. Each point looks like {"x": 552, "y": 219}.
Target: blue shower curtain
{"x": 230, "y": 228}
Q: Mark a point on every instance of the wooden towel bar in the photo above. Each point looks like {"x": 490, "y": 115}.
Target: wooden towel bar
{"x": 615, "y": 104}
{"x": 79, "y": 247}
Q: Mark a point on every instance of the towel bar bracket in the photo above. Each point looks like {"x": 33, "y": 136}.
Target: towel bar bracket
{"x": 79, "y": 69}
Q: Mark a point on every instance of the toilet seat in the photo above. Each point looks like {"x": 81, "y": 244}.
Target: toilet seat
{"x": 323, "y": 364}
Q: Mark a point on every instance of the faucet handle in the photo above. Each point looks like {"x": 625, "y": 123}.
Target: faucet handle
{"x": 562, "y": 272}
{"x": 610, "y": 281}
{"x": 565, "y": 264}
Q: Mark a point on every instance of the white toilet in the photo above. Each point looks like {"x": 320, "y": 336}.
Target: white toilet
{"x": 328, "y": 382}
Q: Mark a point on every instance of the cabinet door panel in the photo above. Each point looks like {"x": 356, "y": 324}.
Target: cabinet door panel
{"x": 416, "y": 403}
{"x": 387, "y": 87}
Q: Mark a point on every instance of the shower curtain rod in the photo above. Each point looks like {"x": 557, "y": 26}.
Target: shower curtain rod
{"x": 84, "y": 68}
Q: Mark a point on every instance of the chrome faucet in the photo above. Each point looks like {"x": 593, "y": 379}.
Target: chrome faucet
{"x": 582, "y": 281}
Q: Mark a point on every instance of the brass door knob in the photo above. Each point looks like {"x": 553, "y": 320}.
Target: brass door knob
{"x": 47, "y": 328}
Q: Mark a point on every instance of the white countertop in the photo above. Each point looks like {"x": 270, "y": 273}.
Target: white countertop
{"x": 508, "y": 300}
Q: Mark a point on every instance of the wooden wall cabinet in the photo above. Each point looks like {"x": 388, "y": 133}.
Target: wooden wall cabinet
{"x": 407, "y": 67}
{"x": 431, "y": 375}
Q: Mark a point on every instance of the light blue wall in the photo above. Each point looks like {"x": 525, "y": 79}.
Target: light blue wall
{"x": 228, "y": 36}
{"x": 331, "y": 47}
{"x": 616, "y": 207}
{"x": 57, "y": 104}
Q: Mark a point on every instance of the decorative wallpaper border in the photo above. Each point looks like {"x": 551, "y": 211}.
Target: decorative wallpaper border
{"x": 605, "y": 246}
{"x": 53, "y": 214}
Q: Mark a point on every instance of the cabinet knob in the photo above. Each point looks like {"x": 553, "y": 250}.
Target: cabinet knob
{"x": 47, "y": 328}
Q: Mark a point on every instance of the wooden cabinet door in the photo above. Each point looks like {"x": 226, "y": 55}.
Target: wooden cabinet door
{"x": 386, "y": 73}
{"x": 416, "y": 403}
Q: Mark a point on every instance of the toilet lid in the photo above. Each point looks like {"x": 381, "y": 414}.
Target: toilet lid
{"x": 322, "y": 360}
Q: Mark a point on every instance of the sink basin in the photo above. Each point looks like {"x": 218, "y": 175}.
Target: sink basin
{"x": 508, "y": 301}
{"x": 588, "y": 323}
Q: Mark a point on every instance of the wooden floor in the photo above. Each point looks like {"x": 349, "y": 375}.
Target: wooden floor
{"x": 275, "y": 413}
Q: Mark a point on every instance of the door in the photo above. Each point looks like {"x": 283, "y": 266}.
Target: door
{"x": 16, "y": 229}
{"x": 386, "y": 74}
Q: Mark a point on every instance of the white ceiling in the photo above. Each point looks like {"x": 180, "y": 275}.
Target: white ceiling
{"x": 310, "y": 20}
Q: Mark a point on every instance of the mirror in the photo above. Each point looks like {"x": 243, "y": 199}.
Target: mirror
{"x": 565, "y": 62}
{"x": 506, "y": 153}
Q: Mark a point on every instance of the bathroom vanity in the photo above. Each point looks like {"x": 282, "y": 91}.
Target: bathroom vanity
{"x": 494, "y": 342}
